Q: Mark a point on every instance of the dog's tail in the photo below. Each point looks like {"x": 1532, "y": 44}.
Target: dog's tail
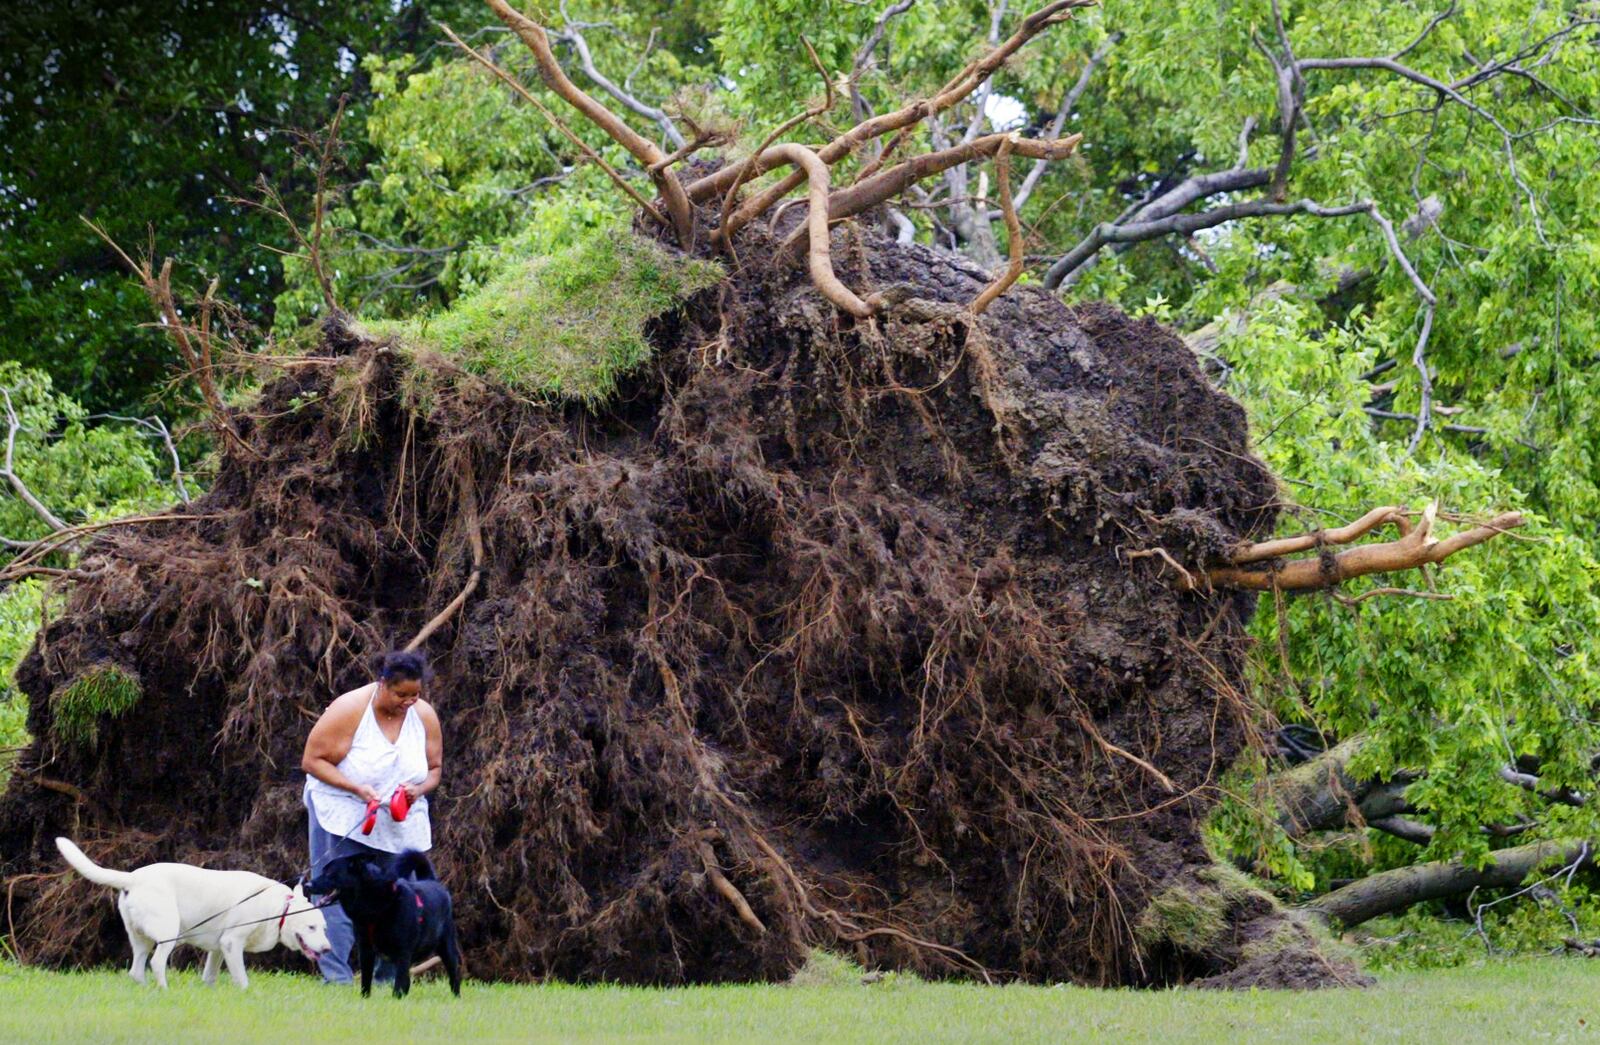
{"x": 417, "y": 865}
{"x": 91, "y": 870}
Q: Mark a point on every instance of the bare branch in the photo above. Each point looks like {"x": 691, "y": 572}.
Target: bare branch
{"x": 583, "y": 146}
{"x": 904, "y": 230}
{"x": 1444, "y": 90}
{"x": 1433, "y": 24}
{"x": 1183, "y": 225}
{"x": 1404, "y": 829}
{"x": 646, "y": 152}
{"x": 193, "y": 344}
{"x": 1244, "y": 142}
{"x": 572, "y": 34}
{"x": 1068, "y": 103}
{"x": 320, "y": 206}
{"x": 9, "y": 473}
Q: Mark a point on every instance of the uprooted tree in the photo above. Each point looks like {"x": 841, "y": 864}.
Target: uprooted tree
{"x": 888, "y": 607}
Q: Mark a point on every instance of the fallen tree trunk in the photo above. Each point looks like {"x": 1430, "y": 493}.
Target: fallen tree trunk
{"x": 1390, "y": 891}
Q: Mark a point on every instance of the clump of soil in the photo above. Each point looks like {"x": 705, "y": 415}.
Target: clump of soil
{"x": 817, "y": 633}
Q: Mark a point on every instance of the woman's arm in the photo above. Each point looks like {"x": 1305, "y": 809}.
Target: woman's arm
{"x": 430, "y": 725}
{"x": 330, "y": 741}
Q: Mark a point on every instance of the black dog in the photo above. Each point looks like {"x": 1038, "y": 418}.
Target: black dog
{"x": 400, "y": 911}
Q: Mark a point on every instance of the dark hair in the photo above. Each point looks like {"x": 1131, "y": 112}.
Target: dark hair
{"x": 403, "y": 665}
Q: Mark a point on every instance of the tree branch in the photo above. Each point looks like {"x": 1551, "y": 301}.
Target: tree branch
{"x": 573, "y": 35}
{"x": 1068, "y": 103}
{"x": 9, "y": 473}
{"x": 858, "y": 104}
{"x": 1402, "y": 887}
{"x": 645, "y": 151}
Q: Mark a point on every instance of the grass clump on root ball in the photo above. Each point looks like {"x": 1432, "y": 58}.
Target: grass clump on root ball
{"x": 566, "y": 324}
{"x": 78, "y": 706}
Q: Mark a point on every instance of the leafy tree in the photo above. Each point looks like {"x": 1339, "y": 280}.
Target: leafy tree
{"x": 161, "y": 115}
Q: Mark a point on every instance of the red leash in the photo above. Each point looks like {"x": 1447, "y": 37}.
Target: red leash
{"x": 399, "y": 806}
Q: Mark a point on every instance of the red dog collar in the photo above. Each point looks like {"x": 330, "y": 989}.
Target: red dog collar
{"x": 285, "y": 915}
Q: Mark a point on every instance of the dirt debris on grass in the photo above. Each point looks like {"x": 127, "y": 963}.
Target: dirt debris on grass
{"x": 813, "y": 633}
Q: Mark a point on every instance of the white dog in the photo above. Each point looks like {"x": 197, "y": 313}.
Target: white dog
{"x": 224, "y": 913}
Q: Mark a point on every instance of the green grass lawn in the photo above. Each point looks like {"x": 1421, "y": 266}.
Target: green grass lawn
{"x": 1530, "y": 1000}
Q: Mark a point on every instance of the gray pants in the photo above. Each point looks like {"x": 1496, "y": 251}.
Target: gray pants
{"x": 335, "y": 965}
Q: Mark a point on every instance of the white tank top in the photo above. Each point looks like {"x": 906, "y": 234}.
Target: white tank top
{"x": 383, "y": 766}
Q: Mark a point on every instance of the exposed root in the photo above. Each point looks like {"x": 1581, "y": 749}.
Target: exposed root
{"x": 1415, "y": 549}
{"x": 881, "y": 187}
{"x": 728, "y": 891}
{"x": 817, "y": 254}
{"x": 469, "y": 512}
{"x": 643, "y": 149}
{"x": 1002, "y": 174}
{"x": 566, "y": 132}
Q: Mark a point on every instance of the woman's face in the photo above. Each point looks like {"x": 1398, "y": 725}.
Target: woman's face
{"x": 402, "y": 693}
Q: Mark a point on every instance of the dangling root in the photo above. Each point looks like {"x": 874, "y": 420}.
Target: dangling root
{"x": 729, "y": 892}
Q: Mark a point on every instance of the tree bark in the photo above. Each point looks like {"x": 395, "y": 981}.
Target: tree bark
{"x": 1395, "y": 890}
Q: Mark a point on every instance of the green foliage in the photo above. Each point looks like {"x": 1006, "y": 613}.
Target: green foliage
{"x": 19, "y": 617}
{"x": 78, "y": 708}
{"x": 161, "y": 115}
{"x": 1427, "y": 938}
{"x": 565, "y": 324}
{"x": 466, "y": 178}
{"x": 81, "y": 471}
{"x": 1452, "y": 689}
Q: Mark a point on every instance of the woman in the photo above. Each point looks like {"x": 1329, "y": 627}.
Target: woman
{"x": 370, "y": 742}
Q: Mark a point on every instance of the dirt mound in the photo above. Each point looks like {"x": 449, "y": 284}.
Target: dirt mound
{"x": 816, "y": 633}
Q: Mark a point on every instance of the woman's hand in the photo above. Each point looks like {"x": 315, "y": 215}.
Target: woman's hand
{"x": 413, "y": 792}
{"x": 365, "y": 793}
